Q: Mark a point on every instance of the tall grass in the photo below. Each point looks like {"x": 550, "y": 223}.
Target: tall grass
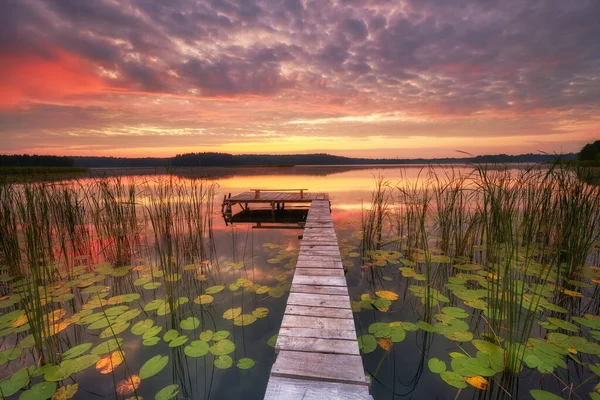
{"x": 48, "y": 228}
{"x": 531, "y": 227}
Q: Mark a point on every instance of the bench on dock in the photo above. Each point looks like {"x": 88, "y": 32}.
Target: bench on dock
{"x": 257, "y": 191}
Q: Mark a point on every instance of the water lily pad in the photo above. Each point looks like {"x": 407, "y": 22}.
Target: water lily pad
{"x": 204, "y": 299}
{"x": 222, "y": 347}
{"x": 189, "y": 324}
{"x": 16, "y": 382}
{"x": 206, "y": 335}
{"x": 232, "y": 313}
{"x": 562, "y": 324}
{"x": 544, "y": 395}
{"x": 223, "y": 362}
{"x": 453, "y": 379}
{"x": 141, "y": 327}
{"x": 153, "y": 366}
{"x": 152, "y": 285}
{"x": 39, "y": 391}
{"x": 196, "y": 348}
{"x": 178, "y": 341}
{"x": 219, "y": 335}
{"x": 261, "y": 312}
{"x": 273, "y": 340}
{"x": 244, "y": 319}
{"x": 76, "y": 351}
{"x": 214, "y": 289}
{"x": 455, "y": 312}
{"x": 367, "y": 343}
{"x": 170, "y": 335}
{"x": 114, "y": 330}
{"x": 385, "y": 294}
{"x": 152, "y": 331}
{"x": 66, "y": 392}
{"x": 108, "y": 346}
{"x": 167, "y": 393}
{"x": 245, "y": 363}
{"x": 151, "y": 341}
{"x": 436, "y": 365}
{"x": 154, "y": 305}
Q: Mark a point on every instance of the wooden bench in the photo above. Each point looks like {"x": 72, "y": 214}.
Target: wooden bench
{"x": 257, "y": 191}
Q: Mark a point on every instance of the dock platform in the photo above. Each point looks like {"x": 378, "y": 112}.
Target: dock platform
{"x": 318, "y": 355}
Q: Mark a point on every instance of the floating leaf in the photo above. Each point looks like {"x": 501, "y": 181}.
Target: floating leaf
{"x": 142, "y": 327}
{"x": 107, "y": 364}
{"x": 39, "y": 391}
{"x": 367, "y": 343}
{"x": 114, "y": 330}
{"x": 214, "y": 289}
{"x": 16, "y": 382}
{"x": 224, "y": 346}
{"x": 66, "y": 392}
{"x": 436, "y": 365}
{"x": 219, "y": 335}
{"x": 562, "y": 324}
{"x": 223, "y": 362}
{"x": 178, "y": 341}
{"x": 196, "y": 348}
{"x": 244, "y": 319}
{"x": 245, "y": 363}
{"x": 453, "y": 379}
{"x": 206, "y": 335}
{"x": 108, "y": 346}
{"x": 477, "y": 381}
{"x": 153, "y": 366}
{"x": 273, "y": 341}
{"x": 153, "y": 331}
{"x": 204, "y": 299}
{"x": 167, "y": 393}
{"x": 385, "y": 343}
{"x": 261, "y": 312}
{"x": 543, "y": 395}
{"x": 129, "y": 385}
{"x": 151, "y": 341}
{"x": 387, "y": 295}
{"x": 189, "y": 324}
{"x": 232, "y": 313}
{"x": 170, "y": 335}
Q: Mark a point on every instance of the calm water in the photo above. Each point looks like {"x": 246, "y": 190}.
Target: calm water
{"x": 252, "y": 259}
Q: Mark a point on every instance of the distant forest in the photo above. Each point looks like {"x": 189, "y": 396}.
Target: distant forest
{"x": 230, "y": 160}
{"x": 26, "y": 160}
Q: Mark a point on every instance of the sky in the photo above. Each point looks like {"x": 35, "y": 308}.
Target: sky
{"x": 372, "y": 78}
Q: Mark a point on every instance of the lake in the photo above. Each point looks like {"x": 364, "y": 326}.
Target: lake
{"x": 481, "y": 283}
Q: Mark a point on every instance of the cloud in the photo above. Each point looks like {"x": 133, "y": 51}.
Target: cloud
{"x": 204, "y": 65}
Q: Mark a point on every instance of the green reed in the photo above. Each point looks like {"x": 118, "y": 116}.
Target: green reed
{"x": 532, "y": 228}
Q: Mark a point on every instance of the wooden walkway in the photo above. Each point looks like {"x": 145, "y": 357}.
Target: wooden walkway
{"x": 318, "y": 356}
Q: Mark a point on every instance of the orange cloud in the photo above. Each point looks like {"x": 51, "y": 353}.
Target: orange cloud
{"x": 34, "y": 78}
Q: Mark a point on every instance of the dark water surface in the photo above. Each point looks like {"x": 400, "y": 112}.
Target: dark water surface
{"x": 251, "y": 259}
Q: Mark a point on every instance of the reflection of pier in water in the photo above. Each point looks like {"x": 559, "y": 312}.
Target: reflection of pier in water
{"x": 318, "y": 356}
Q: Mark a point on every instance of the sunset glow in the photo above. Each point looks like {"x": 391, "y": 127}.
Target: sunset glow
{"x": 371, "y": 78}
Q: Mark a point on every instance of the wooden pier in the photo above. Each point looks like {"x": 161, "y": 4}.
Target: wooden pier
{"x": 277, "y": 199}
{"x": 318, "y": 356}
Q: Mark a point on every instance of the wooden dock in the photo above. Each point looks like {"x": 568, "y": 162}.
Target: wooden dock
{"x": 318, "y": 356}
{"x": 277, "y": 199}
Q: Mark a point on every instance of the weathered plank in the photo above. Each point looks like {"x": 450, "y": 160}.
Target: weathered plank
{"x": 318, "y": 311}
{"x": 319, "y": 280}
{"x": 320, "y": 271}
{"x": 318, "y": 333}
{"x": 327, "y": 264}
{"x": 335, "y": 290}
{"x": 299, "y": 321}
{"x": 318, "y": 300}
{"x": 317, "y": 345}
{"x": 326, "y": 367}
{"x": 280, "y": 388}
